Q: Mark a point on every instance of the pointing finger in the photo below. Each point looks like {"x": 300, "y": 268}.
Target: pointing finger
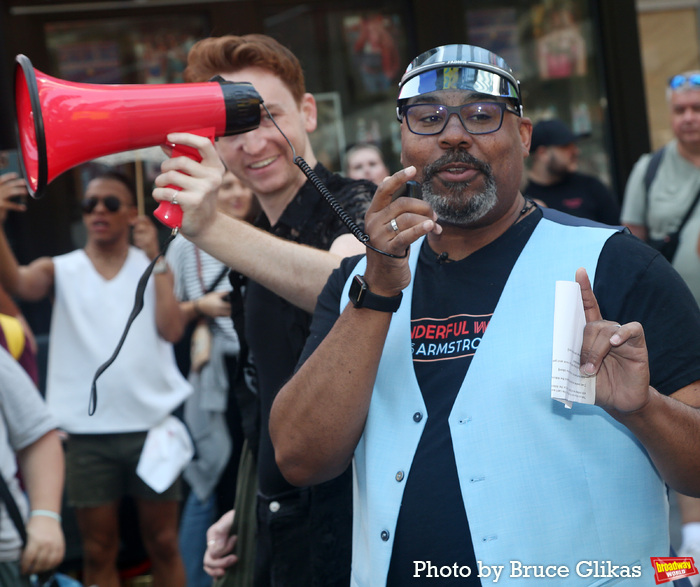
{"x": 590, "y": 304}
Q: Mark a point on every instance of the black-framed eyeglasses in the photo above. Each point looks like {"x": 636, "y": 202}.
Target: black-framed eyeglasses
{"x": 112, "y": 203}
{"x": 681, "y": 80}
{"x": 478, "y": 118}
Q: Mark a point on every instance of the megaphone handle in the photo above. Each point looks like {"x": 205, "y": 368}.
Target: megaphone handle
{"x": 168, "y": 213}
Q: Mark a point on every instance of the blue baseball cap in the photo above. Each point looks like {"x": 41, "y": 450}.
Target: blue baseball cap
{"x": 460, "y": 67}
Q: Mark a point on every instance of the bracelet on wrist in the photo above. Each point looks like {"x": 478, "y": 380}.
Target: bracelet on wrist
{"x": 46, "y": 514}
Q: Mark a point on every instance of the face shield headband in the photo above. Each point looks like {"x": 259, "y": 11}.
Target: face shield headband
{"x": 459, "y": 67}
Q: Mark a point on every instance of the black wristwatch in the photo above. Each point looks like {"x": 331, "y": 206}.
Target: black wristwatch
{"x": 361, "y": 297}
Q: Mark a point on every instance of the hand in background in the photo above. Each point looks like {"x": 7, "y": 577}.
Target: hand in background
{"x": 145, "y": 236}
{"x": 214, "y": 305}
{"x": 218, "y": 557}
{"x": 11, "y": 186}
{"x": 46, "y": 545}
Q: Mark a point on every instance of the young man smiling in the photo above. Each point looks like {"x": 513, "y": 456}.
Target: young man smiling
{"x": 303, "y": 534}
{"x": 465, "y": 458}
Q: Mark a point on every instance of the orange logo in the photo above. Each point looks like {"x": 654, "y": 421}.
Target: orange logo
{"x": 670, "y": 568}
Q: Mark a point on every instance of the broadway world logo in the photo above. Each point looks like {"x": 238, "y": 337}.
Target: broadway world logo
{"x": 671, "y": 568}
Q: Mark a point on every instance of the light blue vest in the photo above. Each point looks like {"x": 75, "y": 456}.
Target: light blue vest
{"x": 542, "y": 484}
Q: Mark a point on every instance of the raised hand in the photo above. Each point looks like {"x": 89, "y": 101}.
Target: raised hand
{"x": 392, "y": 227}
{"x": 12, "y": 186}
{"x": 199, "y": 182}
{"x": 145, "y": 236}
{"x": 616, "y": 353}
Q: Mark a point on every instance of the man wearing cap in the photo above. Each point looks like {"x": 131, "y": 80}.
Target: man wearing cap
{"x": 429, "y": 365}
{"x": 655, "y": 205}
{"x": 553, "y": 179}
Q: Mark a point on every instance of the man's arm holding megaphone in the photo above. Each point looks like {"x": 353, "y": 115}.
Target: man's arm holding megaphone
{"x": 293, "y": 271}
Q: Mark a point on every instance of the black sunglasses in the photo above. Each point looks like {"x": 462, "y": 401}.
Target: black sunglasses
{"x": 112, "y": 203}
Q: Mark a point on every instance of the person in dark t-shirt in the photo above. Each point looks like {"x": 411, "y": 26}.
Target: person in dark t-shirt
{"x": 554, "y": 179}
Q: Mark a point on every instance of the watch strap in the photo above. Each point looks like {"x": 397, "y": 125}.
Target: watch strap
{"x": 362, "y": 297}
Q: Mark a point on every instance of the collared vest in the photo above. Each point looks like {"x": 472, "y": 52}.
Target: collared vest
{"x": 541, "y": 484}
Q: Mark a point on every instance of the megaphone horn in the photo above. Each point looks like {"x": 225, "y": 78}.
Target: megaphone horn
{"x": 62, "y": 124}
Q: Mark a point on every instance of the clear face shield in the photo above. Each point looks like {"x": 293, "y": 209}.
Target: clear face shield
{"x": 459, "y": 67}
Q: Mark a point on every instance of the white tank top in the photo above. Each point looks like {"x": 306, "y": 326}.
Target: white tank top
{"x": 143, "y": 385}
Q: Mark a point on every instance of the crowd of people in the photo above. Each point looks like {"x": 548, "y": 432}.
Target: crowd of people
{"x": 340, "y": 427}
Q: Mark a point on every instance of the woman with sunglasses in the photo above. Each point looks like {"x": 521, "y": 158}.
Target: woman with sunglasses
{"x": 93, "y": 290}
{"x": 662, "y": 206}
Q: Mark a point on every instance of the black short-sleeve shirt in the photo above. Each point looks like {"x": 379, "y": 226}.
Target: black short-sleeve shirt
{"x": 632, "y": 283}
{"x": 276, "y": 330}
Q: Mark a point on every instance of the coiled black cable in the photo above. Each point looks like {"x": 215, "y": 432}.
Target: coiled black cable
{"x": 332, "y": 202}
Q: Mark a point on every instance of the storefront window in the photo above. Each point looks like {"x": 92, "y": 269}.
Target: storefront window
{"x": 551, "y": 47}
{"x": 354, "y": 58}
{"x": 124, "y": 50}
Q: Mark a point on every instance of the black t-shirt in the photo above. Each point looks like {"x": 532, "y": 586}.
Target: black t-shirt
{"x": 632, "y": 283}
{"x": 580, "y": 195}
{"x": 276, "y": 330}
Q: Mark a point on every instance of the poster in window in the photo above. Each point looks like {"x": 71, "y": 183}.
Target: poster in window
{"x": 559, "y": 41}
{"x": 328, "y": 140}
{"x": 123, "y": 50}
{"x": 373, "y": 45}
{"x": 496, "y": 29}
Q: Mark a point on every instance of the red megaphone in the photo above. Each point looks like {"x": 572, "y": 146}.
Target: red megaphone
{"x": 63, "y": 124}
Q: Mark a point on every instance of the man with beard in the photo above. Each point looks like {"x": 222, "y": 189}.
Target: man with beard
{"x": 435, "y": 379}
{"x": 554, "y": 179}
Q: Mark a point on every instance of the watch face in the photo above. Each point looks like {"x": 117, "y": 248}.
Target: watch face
{"x": 357, "y": 290}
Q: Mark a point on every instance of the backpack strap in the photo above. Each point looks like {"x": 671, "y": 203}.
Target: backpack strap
{"x": 649, "y": 174}
{"x": 12, "y": 510}
{"x": 652, "y": 168}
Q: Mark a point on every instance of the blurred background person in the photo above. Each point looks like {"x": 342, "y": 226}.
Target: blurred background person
{"x": 662, "y": 191}
{"x": 553, "y": 178}
{"x": 13, "y": 191}
{"x": 366, "y": 161}
{"x": 93, "y": 290}
{"x": 28, "y": 437}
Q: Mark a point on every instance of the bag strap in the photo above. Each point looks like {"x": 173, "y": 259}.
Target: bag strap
{"x": 221, "y": 275}
{"x": 652, "y": 168}
{"x": 13, "y": 510}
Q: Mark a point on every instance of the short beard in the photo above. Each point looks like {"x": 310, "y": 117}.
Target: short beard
{"x": 455, "y": 207}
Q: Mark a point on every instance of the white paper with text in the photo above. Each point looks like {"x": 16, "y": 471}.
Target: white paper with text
{"x": 568, "y": 385}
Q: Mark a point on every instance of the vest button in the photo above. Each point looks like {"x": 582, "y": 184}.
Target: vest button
{"x": 399, "y": 476}
{"x": 385, "y": 535}
{"x": 417, "y": 417}
{"x": 274, "y": 506}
